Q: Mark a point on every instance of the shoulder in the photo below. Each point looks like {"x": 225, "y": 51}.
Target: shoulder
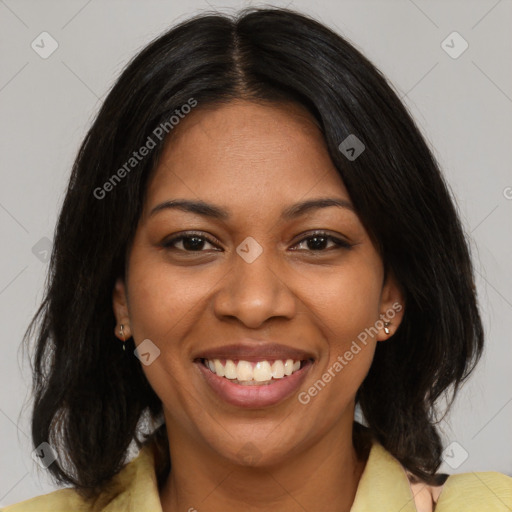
{"x": 62, "y": 500}
{"x": 386, "y": 480}
{"x": 476, "y": 492}
{"x": 135, "y": 485}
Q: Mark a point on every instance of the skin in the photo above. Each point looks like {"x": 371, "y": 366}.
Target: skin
{"x": 254, "y": 160}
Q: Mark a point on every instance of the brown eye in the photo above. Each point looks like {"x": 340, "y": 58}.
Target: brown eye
{"x": 189, "y": 242}
{"x": 318, "y": 242}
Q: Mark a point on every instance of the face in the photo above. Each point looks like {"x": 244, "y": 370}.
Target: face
{"x": 272, "y": 280}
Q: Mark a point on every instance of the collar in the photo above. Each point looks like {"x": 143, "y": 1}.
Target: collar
{"x": 383, "y": 485}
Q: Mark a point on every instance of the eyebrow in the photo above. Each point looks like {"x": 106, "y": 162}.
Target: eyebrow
{"x": 209, "y": 210}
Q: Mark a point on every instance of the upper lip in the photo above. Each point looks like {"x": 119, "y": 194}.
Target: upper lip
{"x": 255, "y": 351}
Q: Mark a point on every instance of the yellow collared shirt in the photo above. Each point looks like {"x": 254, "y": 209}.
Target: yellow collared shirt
{"x": 383, "y": 487}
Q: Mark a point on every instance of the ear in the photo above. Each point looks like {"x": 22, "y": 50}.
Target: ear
{"x": 120, "y": 306}
{"x": 392, "y": 307}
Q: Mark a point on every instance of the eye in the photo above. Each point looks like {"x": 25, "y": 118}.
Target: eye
{"x": 190, "y": 242}
{"x": 195, "y": 242}
{"x": 317, "y": 242}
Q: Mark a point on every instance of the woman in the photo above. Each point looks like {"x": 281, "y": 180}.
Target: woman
{"x": 256, "y": 217}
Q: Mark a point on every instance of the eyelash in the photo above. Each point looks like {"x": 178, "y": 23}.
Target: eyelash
{"x": 340, "y": 244}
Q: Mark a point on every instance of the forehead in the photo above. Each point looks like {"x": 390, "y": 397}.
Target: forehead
{"x": 243, "y": 152}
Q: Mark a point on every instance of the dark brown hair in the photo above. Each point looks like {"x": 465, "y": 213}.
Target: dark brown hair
{"x": 89, "y": 395}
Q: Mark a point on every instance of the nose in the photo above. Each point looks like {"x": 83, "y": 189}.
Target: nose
{"x": 254, "y": 291}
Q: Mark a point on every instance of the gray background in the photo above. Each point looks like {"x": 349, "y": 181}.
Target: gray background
{"x": 463, "y": 105}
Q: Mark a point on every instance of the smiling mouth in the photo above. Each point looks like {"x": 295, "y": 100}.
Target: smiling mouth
{"x": 254, "y": 373}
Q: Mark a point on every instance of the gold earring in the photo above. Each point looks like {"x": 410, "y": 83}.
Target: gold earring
{"x": 121, "y": 331}
{"x": 386, "y": 330}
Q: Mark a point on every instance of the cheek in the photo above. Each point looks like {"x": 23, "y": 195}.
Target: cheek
{"x": 348, "y": 303}
{"x": 344, "y": 312}
{"x": 161, "y": 300}
{"x": 162, "y": 309}
{"x": 346, "y": 308}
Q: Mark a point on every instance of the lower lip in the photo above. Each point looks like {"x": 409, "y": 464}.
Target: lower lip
{"x": 252, "y": 397}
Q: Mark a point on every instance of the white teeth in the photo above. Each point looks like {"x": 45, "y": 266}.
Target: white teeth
{"x": 278, "y": 369}
{"x": 230, "y": 370}
{"x": 252, "y": 373}
{"x": 262, "y": 371}
{"x": 243, "y": 370}
{"x": 288, "y": 367}
{"x": 219, "y": 369}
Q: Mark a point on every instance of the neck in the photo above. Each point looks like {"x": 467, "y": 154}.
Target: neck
{"x": 323, "y": 476}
